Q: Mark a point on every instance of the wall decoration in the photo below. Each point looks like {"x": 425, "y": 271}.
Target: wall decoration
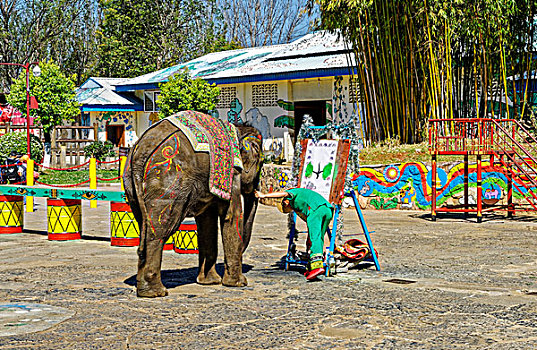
{"x": 411, "y": 188}
{"x": 285, "y": 120}
{"x": 339, "y": 106}
{"x": 117, "y": 118}
{"x": 234, "y": 113}
{"x": 259, "y": 121}
{"x": 153, "y": 118}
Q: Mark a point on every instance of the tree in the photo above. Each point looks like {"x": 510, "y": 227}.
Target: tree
{"x": 265, "y": 22}
{"x": 182, "y": 93}
{"x": 54, "y": 92}
{"x": 423, "y": 59}
{"x": 38, "y": 30}
{"x": 141, "y": 36}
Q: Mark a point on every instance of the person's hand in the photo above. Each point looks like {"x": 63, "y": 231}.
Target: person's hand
{"x": 259, "y": 195}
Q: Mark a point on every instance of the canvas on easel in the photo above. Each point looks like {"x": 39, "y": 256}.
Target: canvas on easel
{"x": 323, "y": 165}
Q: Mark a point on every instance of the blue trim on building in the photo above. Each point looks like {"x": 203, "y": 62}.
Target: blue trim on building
{"x": 133, "y": 87}
{"x": 107, "y": 108}
{"x": 318, "y": 73}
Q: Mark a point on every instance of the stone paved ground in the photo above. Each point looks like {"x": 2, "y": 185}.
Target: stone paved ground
{"x": 475, "y": 288}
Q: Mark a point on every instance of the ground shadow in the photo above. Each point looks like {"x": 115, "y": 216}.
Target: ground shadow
{"x": 181, "y": 277}
{"x": 84, "y": 237}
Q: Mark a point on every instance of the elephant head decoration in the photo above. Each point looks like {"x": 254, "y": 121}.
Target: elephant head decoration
{"x": 191, "y": 164}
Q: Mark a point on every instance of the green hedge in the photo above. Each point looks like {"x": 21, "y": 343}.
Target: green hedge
{"x": 16, "y": 142}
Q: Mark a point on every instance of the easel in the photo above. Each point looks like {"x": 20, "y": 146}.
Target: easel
{"x": 336, "y": 196}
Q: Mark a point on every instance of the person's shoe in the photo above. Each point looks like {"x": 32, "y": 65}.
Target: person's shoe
{"x": 310, "y": 275}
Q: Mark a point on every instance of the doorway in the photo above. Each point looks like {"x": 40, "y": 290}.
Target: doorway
{"x": 116, "y": 134}
{"x": 316, "y": 109}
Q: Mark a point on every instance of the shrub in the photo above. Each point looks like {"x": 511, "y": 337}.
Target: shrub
{"x": 16, "y": 142}
{"x": 99, "y": 150}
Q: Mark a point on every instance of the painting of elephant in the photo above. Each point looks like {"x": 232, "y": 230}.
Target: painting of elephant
{"x": 184, "y": 166}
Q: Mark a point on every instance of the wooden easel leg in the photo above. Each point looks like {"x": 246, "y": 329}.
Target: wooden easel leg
{"x": 366, "y": 232}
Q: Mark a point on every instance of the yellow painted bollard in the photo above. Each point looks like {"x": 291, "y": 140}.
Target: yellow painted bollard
{"x": 11, "y": 214}
{"x": 64, "y": 218}
{"x": 29, "y": 182}
{"x": 185, "y": 240}
{"x": 122, "y": 162}
{"x": 93, "y": 179}
{"x": 124, "y": 231}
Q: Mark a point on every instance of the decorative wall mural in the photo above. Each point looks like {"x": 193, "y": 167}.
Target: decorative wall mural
{"x": 153, "y": 118}
{"x": 339, "y": 106}
{"x": 408, "y": 185}
{"x": 286, "y": 120}
{"x": 259, "y": 121}
{"x": 234, "y": 113}
{"x": 117, "y": 118}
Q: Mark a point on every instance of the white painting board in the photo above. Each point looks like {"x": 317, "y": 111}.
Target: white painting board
{"x": 318, "y": 166}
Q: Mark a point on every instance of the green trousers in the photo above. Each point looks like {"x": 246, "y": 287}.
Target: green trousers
{"x": 317, "y": 222}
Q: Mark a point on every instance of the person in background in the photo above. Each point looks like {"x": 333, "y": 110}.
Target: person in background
{"x": 316, "y": 211}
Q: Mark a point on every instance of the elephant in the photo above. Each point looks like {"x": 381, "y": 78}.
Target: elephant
{"x": 167, "y": 178}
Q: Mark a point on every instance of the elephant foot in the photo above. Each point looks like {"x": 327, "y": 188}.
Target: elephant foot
{"x": 152, "y": 289}
{"x": 211, "y": 278}
{"x": 235, "y": 281}
{"x": 151, "y": 292}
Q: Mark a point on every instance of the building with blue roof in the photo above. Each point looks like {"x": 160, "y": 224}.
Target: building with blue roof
{"x": 271, "y": 87}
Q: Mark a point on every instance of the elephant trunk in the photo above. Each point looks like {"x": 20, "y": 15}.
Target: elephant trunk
{"x": 250, "y": 208}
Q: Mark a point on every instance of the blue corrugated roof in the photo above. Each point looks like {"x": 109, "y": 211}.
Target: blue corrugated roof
{"x": 98, "y": 93}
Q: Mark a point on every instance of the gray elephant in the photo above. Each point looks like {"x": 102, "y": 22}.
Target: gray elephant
{"x": 192, "y": 164}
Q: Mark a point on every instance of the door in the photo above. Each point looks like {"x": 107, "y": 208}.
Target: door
{"x": 116, "y": 134}
{"x": 316, "y": 109}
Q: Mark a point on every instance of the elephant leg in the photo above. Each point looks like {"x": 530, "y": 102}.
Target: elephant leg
{"x": 153, "y": 238}
{"x": 232, "y": 223}
{"x": 207, "y": 223}
{"x": 148, "y": 280}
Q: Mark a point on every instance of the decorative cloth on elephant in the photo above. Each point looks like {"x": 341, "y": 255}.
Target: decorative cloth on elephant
{"x": 219, "y": 139}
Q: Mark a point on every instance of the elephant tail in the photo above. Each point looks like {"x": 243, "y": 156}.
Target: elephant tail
{"x": 131, "y": 188}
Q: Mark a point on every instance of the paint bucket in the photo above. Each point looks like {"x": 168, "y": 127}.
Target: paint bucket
{"x": 185, "y": 240}
{"x": 64, "y": 219}
{"x": 124, "y": 231}
{"x": 11, "y": 214}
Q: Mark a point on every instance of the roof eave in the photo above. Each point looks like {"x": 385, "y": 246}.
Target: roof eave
{"x": 108, "y": 108}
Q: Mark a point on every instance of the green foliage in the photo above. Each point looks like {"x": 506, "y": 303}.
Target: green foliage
{"x": 16, "y": 142}
{"x": 182, "y": 93}
{"x": 54, "y": 92}
{"x": 99, "y": 150}
{"x": 141, "y": 36}
{"x": 39, "y": 30}
{"x": 435, "y": 59}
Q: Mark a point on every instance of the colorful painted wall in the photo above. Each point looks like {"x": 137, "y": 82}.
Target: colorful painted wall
{"x": 408, "y": 185}
{"x": 128, "y": 119}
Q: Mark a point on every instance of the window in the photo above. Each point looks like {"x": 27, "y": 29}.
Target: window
{"x": 265, "y": 95}
{"x": 227, "y": 95}
{"x": 355, "y": 95}
{"x": 150, "y": 101}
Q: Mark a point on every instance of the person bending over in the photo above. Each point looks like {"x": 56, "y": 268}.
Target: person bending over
{"x": 316, "y": 211}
